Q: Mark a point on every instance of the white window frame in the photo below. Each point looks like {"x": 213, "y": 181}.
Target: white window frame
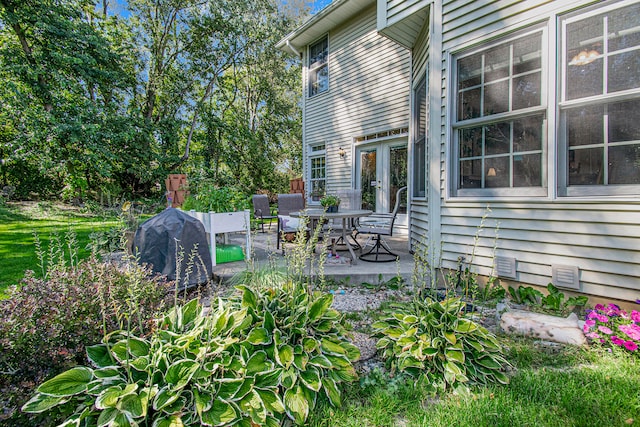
{"x": 313, "y": 70}
{"x": 419, "y": 189}
{"x": 564, "y": 105}
{"x": 316, "y": 152}
{"x": 553, "y": 105}
{"x": 457, "y": 125}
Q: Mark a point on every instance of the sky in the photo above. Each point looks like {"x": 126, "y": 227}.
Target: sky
{"x": 319, "y": 5}
{"x": 119, "y": 6}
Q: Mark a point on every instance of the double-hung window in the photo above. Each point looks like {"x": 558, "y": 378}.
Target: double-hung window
{"x": 499, "y": 119}
{"x": 502, "y": 93}
{"x": 600, "y": 102}
{"x": 317, "y": 169}
{"x": 318, "y": 68}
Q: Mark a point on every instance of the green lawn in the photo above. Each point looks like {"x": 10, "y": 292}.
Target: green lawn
{"x": 563, "y": 387}
{"x": 19, "y": 222}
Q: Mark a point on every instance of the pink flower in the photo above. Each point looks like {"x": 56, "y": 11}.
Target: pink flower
{"x": 632, "y": 331}
{"x": 605, "y": 330}
{"x": 617, "y": 341}
{"x": 588, "y": 324}
{"x": 601, "y": 307}
{"x": 635, "y": 316}
{"x": 597, "y": 316}
{"x": 592, "y": 335}
{"x": 630, "y": 345}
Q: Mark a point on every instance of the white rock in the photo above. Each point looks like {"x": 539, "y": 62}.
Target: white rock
{"x": 543, "y": 326}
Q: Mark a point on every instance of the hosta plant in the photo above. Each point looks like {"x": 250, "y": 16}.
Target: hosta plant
{"x": 305, "y": 339}
{"x": 438, "y": 342}
{"x": 258, "y": 359}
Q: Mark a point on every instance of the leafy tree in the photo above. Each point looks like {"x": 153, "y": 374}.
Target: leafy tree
{"x": 100, "y": 102}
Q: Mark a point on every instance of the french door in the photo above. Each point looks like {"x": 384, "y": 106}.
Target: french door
{"x": 380, "y": 171}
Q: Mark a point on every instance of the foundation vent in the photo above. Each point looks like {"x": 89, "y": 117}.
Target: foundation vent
{"x": 565, "y": 276}
{"x": 506, "y": 267}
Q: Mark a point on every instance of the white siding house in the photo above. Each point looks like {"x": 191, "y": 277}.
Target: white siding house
{"x": 355, "y": 102}
{"x": 531, "y": 123}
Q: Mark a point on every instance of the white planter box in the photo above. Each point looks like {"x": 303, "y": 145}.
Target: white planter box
{"x": 224, "y": 222}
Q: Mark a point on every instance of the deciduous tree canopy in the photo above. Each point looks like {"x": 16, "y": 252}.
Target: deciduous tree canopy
{"x": 93, "y": 101}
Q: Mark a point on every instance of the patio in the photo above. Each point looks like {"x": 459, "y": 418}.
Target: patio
{"x": 264, "y": 249}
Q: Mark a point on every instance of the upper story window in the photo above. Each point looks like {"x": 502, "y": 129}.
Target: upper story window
{"x": 500, "y": 118}
{"x": 318, "y": 69}
{"x": 600, "y": 102}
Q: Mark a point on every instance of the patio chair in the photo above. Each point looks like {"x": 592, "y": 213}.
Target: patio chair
{"x": 261, "y": 209}
{"x": 288, "y": 203}
{"x": 378, "y": 225}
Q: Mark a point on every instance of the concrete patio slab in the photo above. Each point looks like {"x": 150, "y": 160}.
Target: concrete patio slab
{"x": 339, "y": 269}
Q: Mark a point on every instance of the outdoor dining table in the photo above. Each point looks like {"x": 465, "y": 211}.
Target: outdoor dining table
{"x": 344, "y": 214}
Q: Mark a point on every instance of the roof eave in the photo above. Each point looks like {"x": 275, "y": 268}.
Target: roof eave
{"x": 321, "y": 23}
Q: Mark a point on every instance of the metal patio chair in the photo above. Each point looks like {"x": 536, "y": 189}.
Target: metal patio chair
{"x": 378, "y": 225}
{"x": 288, "y": 203}
{"x": 262, "y": 210}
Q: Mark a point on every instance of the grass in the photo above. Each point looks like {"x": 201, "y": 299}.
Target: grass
{"x": 19, "y": 222}
{"x": 561, "y": 386}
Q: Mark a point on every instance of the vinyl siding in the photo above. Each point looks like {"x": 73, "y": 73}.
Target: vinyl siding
{"x": 368, "y": 92}
{"x": 601, "y": 237}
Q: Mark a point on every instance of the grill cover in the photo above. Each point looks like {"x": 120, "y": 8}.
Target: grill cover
{"x": 159, "y": 240}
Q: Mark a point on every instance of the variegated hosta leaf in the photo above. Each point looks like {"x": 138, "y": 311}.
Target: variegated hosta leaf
{"x": 258, "y": 336}
{"x": 465, "y": 326}
{"x": 284, "y": 355}
{"x": 133, "y": 406}
{"x": 109, "y": 397}
{"x": 296, "y": 404}
{"x": 253, "y": 405}
{"x": 454, "y": 355}
{"x": 99, "y": 356}
{"x": 288, "y": 379}
{"x": 347, "y": 374}
{"x": 190, "y": 311}
{"x": 164, "y": 398}
{"x": 169, "y": 421}
{"x": 352, "y": 352}
{"x": 73, "y": 381}
{"x": 42, "y": 402}
{"x": 309, "y": 345}
{"x": 245, "y": 388}
{"x": 320, "y": 307}
{"x": 258, "y": 363}
{"x": 320, "y": 361}
{"x": 203, "y": 401}
{"x": 249, "y": 298}
{"x": 271, "y": 401}
{"x": 180, "y": 373}
{"x": 221, "y": 413}
{"x": 332, "y": 391}
{"x": 311, "y": 379}
{"x": 330, "y": 347}
{"x": 269, "y": 379}
{"x": 107, "y": 417}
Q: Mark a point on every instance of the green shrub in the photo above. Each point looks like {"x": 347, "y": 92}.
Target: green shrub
{"x": 554, "y": 302}
{"x": 259, "y": 358}
{"x": 437, "y": 342}
{"x": 45, "y": 324}
{"x": 209, "y": 198}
